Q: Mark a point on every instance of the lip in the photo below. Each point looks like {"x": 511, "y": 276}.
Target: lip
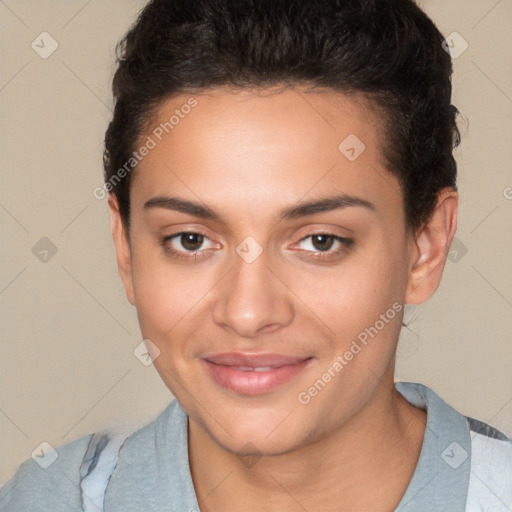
{"x": 254, "y": 374}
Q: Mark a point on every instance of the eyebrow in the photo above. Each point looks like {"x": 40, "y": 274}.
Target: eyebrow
{"x": 314, "y": 207}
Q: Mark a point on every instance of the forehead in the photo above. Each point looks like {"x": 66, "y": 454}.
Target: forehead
{"x": 255, "y": 148}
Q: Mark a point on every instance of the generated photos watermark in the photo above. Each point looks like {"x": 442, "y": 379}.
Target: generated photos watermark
{"x": 150, "y": 143}
{"x": 342, "y": 360}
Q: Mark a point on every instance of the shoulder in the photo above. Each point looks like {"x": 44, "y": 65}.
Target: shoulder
{"x": 155, "y": 453}
{"x": 471, "y": 460}
{"x": 490, "y": 484}
{"x": 58, "y": 479}
{"x": 153, "y": 467}
{"x": 50, "y": 481}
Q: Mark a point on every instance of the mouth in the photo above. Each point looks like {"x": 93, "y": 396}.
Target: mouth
{"x": 254, "y": 374}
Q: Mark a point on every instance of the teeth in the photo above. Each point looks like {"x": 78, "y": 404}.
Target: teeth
{"x": 249, "y": 369}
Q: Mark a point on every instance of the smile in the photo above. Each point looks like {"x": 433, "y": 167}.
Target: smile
{"x": 254, "y": 374}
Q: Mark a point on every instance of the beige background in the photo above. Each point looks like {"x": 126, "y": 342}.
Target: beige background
{"x": 68, "y": 333}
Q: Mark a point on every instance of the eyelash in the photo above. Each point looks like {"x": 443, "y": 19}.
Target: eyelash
{"x": 193, "y": 255}
{"x": 346, "y": 243}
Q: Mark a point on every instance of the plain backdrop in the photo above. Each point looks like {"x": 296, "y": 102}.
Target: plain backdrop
{"x": 68, "y": 332}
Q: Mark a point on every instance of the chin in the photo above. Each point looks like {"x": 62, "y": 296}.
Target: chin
{"x": 266, "y": 432}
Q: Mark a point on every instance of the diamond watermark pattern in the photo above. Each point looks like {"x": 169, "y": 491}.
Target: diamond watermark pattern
{"x": 44, "y": 45}
{"x": 352, "y": 147}
{"x": 45, "y": 455}
{"x": 455, "y": 45}
{"x": 249, "y": 460}
{"x": 44, "y": 250}
{"x": 146, "y": 352}
{"x": 457, "y": 250}
{"x": 454, "y": 455}
{"x": 249, "y": 250}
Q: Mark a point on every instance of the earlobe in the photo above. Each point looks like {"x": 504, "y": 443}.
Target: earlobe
{"x": 122, "y": 246}
{"x": 432, "y": 244}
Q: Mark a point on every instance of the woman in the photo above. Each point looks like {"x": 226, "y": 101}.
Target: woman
{"x": 281, "y": 183}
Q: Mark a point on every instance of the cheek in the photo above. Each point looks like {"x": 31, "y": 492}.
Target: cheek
{"x": 352, "y": 296}
{"x": 165, "y": 293}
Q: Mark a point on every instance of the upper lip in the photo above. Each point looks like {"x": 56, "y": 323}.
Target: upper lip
{"x": 268, "y": 360}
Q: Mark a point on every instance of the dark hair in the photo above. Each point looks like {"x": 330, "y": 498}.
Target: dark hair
{"x": 387, "y": 50}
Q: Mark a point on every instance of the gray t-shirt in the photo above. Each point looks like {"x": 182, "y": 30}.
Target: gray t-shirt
{"x": 464, "y": 466}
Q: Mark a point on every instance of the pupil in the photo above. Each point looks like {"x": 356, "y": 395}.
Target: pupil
{"x": 324, "y": 242}
{"x": 191, "y": 240}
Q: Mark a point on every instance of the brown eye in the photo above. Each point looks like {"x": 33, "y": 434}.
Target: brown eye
{"x": 325, "y": 245}
{"x": 188, "y": 245}
{"x": 191, "y": 241}
{"x": 322, "y": 242}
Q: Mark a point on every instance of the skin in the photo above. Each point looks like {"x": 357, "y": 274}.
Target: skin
{"x": 248, "y": 156}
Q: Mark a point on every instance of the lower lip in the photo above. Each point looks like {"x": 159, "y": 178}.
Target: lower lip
{"x": 251, "y": 382}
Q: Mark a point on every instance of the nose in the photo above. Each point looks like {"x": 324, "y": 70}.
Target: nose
{"x": 252, "y": 300}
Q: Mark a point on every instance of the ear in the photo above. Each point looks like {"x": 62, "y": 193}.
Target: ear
{"x": 123, "y": 253}
{"x": 431, "y": 247}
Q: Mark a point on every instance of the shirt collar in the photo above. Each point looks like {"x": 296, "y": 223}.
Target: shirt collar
{"x": 441, "y": 477}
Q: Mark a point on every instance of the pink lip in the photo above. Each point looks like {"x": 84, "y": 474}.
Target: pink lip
{"x": 232, "y": 370}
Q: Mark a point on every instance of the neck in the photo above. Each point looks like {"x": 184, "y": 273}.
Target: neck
{"x": 381, "y": 445}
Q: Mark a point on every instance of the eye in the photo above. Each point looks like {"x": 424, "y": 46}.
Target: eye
{"x": 323, "y": 243}
{"x": 185, "y": 242}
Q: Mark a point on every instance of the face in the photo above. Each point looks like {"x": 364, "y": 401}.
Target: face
{"x": 269, "y": 262}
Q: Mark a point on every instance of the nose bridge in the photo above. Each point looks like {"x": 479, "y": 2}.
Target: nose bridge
{"x": 251, "y": 299}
